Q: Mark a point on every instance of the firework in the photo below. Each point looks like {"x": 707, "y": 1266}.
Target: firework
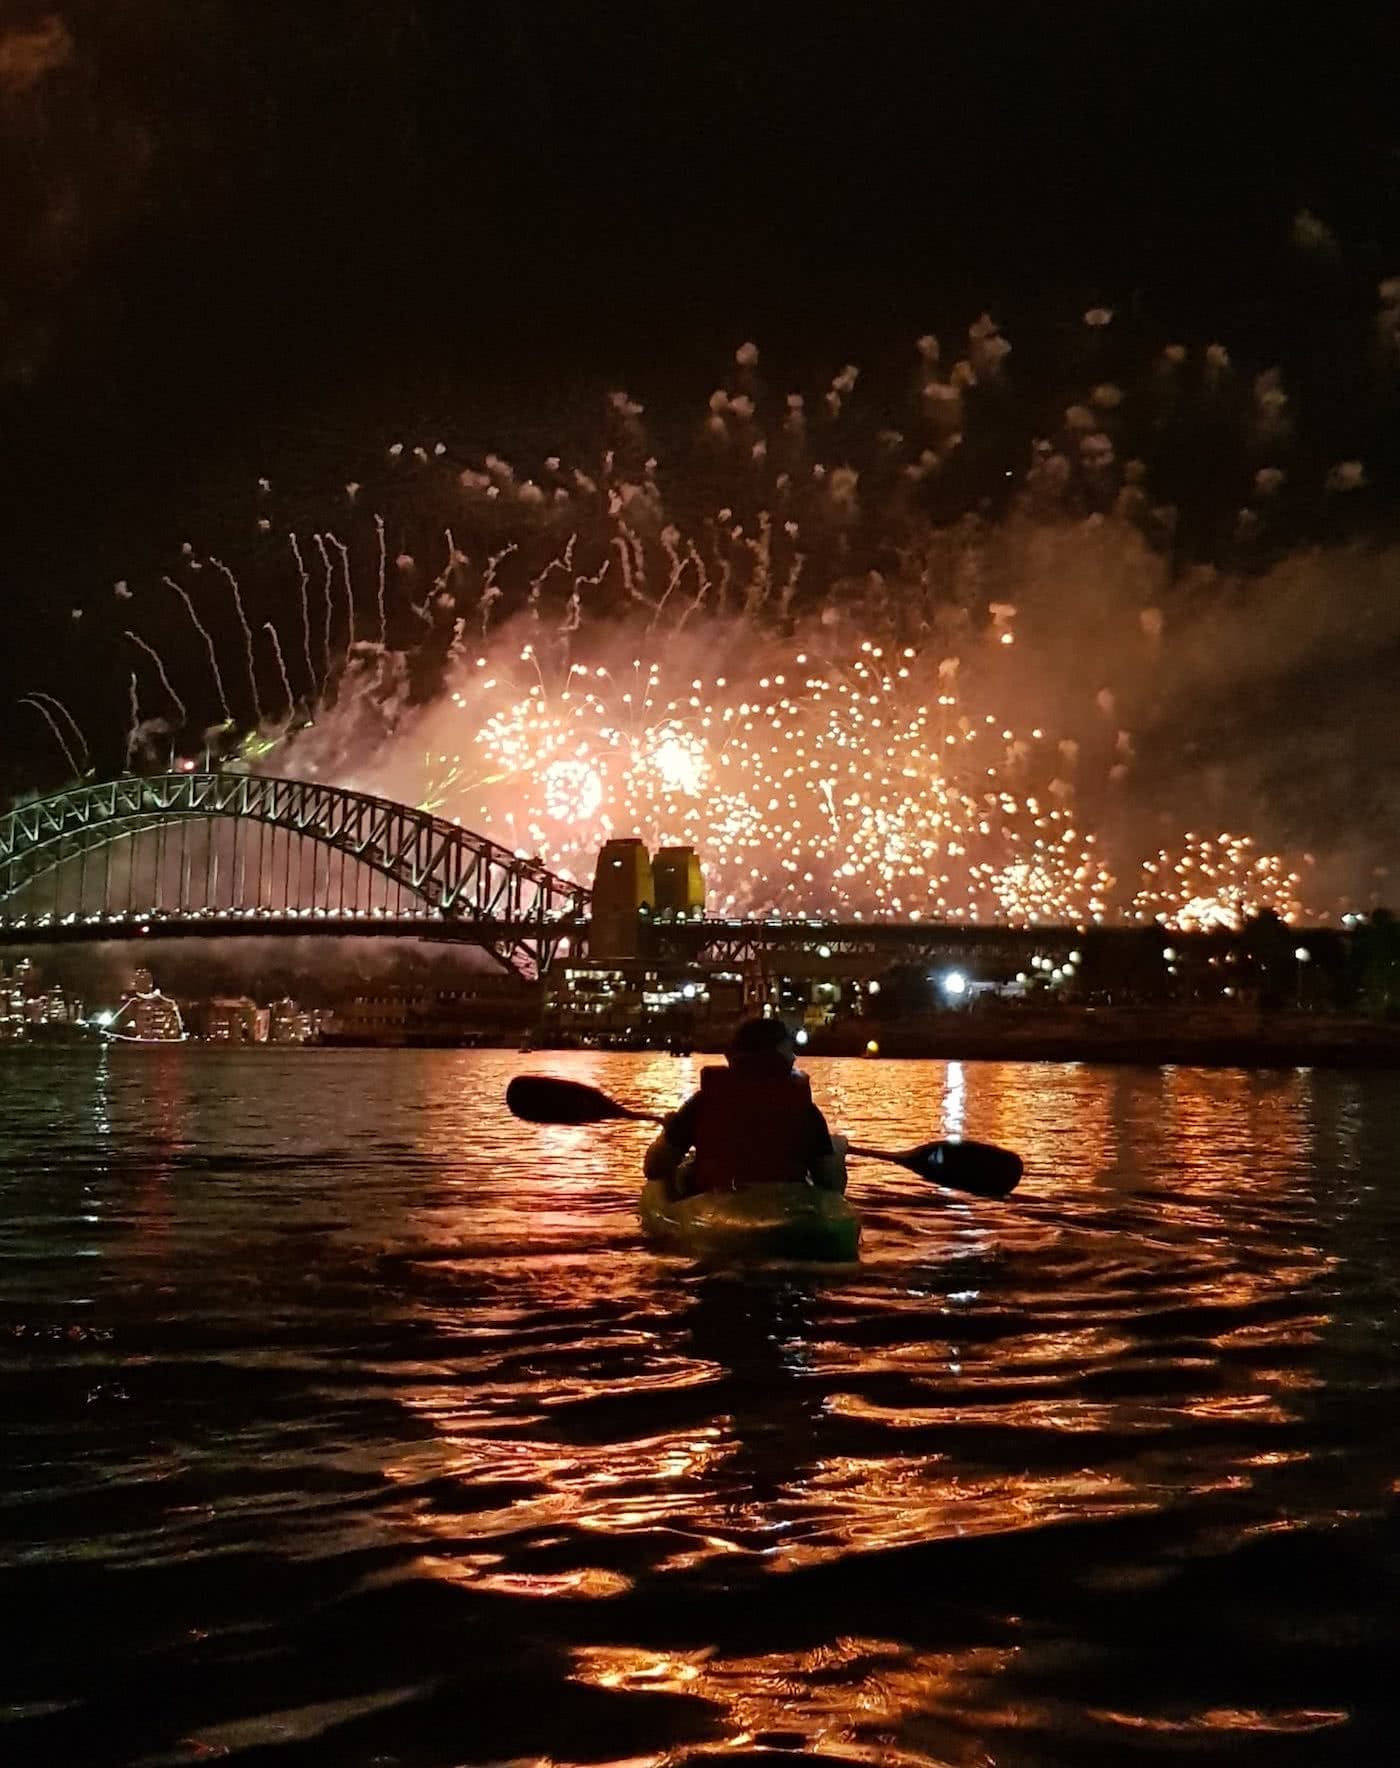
{"x": 348, "y": 582}
{"x": 326, "y": 575}
{"x": 851, "y": 697}
{"x": 68, "y": 718}
{"x": 838, "y": 785}
{"x": 303, "y": 582}
{"x": 379, "y": 581}
{"x": 232, "y": 582}
{"x": 36, "y": 701}
{"x": 271, "y": 632}
{"x": 1210, "y": 884}
{"x": 818, "y": 772}
{"x": 154, "y": 655}
{"x": 133, "y": 735}
{"x": 203, "y": 632}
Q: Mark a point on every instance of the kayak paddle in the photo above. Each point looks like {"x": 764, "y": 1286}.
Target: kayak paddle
{"x": 976, "y": 1167}
{"x": 980, "y": 1168}
{"x": 547, "y": 1098}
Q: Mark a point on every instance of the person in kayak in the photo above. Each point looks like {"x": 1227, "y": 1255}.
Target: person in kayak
{"x": 752, "y": 1122}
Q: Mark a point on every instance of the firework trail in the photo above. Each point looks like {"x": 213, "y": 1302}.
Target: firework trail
{"x": 442, "y": 585}
{"x": 77, "y": 730}
{"x": 490, "y": 590}
{"x": 303, "y": 581}
{"x": 133, "y": 735}
{"x": 625, "y": 559}
{"x": 203, "y": 632}
{"x": 271, "y": 632}
{"x": 344, "y": 552}
{"x": 232, "y": 582}
{"x": 154, "y": 655}
{"x": 383, "y": 560}
{"x": 47, "y": 716}
{"x": 326, "y": 574}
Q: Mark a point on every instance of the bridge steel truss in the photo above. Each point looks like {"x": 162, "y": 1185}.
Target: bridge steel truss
{"x": 468, "y": 887}
{"x": 777, "y": 945}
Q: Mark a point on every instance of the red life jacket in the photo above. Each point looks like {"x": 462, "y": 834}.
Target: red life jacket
{"x": 753, "y": 1126}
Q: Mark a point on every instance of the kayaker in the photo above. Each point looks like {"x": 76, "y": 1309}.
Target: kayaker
{"x": 752, "y": 1122}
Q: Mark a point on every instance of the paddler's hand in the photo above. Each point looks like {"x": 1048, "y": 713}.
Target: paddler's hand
{"x": 829, "y": 1173}
{"x": 662, "y": 1160}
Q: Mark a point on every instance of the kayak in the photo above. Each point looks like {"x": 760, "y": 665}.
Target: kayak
{"x": 758, "y": 1222}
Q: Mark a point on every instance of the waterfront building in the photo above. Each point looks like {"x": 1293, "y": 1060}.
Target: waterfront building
{"x": 235, "y": 1020}
{"x": 25, "y": 1008}
{"x": 287, "y": 1023}
{"x": 489, "y": 1007}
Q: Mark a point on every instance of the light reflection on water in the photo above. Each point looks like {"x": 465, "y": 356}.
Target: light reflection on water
{"x": 351, "y": 1424}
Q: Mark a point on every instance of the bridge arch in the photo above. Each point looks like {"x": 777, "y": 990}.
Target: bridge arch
{"x": 465, "y": 884}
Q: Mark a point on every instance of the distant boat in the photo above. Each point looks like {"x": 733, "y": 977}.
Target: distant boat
{"x": 146, "y": 1016}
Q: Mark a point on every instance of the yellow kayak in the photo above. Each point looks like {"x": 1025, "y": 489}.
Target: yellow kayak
{"x": 755, "y": 1223}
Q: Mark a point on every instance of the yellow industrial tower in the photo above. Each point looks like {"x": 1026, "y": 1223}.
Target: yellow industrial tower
{"x": 623, "y": 896}
{"x": 680, "y": 887}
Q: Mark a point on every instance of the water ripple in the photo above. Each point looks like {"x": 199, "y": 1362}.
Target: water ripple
{"x": 348, "y": 1422}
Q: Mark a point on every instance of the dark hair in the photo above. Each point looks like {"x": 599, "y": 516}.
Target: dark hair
{"x": 760, "y": 1037}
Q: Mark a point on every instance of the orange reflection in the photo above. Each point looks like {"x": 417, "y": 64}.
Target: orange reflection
{"x": 851, "y": 1698}
{"x": 1132, "y": 1334}
{"x": 1233, "y": 1719}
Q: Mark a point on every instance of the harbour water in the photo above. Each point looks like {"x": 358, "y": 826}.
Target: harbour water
{"x": 347, "y": 1421}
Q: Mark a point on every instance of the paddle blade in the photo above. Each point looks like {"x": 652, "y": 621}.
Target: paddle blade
{"x": 545, "y": 1098}
{"x": 976, "y": 1167}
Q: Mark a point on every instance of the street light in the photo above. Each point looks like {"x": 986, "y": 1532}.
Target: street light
{"x": 1301, "y": 956}
{"x": 955, "y": 985}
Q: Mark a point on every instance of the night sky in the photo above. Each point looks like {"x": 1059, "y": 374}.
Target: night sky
{"x": 243, "y": 236}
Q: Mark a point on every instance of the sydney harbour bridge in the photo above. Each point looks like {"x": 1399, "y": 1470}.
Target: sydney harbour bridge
{"x": 234, "y": 854}
{"x": 226, "y": 854}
